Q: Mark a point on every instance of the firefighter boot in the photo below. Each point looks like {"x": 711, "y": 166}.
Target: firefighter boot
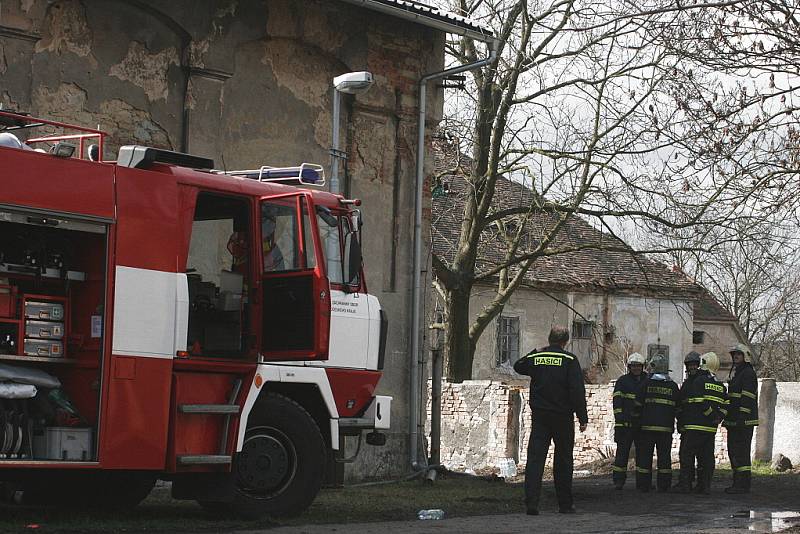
{"x": 704, "y": 482}
{"x": 664, "y": 480}
{"x": 734, "y": 487}
{"x": 643, "y": 479}
{"x": 684, "y": 484}
{"x": 741, "y": 483}
{"x": 618, "y": 476}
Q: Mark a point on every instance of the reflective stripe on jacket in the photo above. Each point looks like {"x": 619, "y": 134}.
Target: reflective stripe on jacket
{"x": 703, "y": 403}
{"x": 743, "y": 394}
{"x": 626, "y": 402}
{"x": 659, "y": 398}
{"x": 556, "y": 382}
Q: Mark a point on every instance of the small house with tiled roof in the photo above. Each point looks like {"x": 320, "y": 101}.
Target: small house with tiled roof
{"x": 716, "y": 329}
{"x": 615, "y": 300}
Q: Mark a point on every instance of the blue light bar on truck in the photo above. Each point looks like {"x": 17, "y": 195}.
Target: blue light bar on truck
{"x": 305, "y": 173}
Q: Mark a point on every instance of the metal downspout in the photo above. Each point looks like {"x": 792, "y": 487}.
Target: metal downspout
{"x": 417, "y": 360}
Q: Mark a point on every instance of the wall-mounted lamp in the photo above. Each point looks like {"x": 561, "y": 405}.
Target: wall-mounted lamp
{"x": 350, "y": 83}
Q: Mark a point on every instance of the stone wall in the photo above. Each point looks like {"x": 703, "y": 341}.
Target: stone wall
{"x": 485, "y": 422}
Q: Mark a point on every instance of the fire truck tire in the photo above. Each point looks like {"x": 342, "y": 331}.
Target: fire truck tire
{"x": 280, "y": 468}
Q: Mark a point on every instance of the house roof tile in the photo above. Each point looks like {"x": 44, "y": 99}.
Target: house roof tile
{"x": 588, "y": 268}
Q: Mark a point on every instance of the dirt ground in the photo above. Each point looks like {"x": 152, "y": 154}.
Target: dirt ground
{"x": 472, "y": 505}
{"x": 773, "y": 506}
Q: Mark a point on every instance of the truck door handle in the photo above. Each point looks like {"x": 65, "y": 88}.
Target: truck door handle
{"x": 43, "y": 220}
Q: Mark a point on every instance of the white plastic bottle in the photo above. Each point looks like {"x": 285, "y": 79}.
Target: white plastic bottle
{"x": 430, "y": 514}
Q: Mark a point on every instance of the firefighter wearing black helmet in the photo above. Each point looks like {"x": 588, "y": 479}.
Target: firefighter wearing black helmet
{"x": 742, "y": 417}
{"x": 627, "y": 411}
{"x": 703, "y": 406}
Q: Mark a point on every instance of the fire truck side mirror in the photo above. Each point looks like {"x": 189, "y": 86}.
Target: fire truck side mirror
{"x": 354, "y": 259}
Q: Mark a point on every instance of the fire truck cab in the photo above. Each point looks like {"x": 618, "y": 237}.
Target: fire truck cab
{"x": 160, "y": 319}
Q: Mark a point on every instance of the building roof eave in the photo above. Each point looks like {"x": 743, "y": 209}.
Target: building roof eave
{"x": 429, "y": 16}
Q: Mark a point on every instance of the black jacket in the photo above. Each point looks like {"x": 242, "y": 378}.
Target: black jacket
{"x": 626, "y": 402}
{"x": 743, "y": 395}
{"x": 703, "y": 403}
{"x": 659, "y": 399}
{"x": 556, "y": 382}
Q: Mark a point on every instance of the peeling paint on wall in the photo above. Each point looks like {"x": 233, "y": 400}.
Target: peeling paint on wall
{"x": 197, "y": 50}
{"x": 26, "y": 5}
{"x": 146, "y": 70}
{"x": 318, "y": 30}
{"x": 65, "y": 29}
{"x": 284, "y": 56}
{"x": 124, "y": 123}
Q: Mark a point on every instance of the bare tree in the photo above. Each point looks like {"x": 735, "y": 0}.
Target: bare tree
{"x": 575, "y": 108}
{"x": 738, "y": 120}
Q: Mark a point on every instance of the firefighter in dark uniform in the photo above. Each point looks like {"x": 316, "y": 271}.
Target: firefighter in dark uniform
{"x": 659, "y": 400}
{"x": 742, "y": 417}
{"x": 703, "y": 406}
{"x": 627, "y": 411}
{"x": 557, "y": 392}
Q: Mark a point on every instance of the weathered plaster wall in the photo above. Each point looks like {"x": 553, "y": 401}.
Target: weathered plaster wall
{"x": 639, "y": 322}
{"x": 786, "y": 437}
{"x": 536, "y": 312}
{"x": 248, "y": 83}
{"x": 634, "y": 322}
{"x": 719, "y": 338}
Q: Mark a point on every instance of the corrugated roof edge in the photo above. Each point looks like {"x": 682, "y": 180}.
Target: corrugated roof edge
{"x": 429, "y": 16}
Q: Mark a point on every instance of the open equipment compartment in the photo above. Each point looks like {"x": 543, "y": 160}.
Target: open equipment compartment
{"x": 53, "y": 283}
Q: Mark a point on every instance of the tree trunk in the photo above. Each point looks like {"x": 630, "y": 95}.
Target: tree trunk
{"x": 460, "y": 350}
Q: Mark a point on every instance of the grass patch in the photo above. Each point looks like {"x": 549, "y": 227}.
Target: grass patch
{"x": 457, "y": 495}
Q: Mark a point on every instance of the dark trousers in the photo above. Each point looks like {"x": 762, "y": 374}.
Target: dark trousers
{"x": 560, "y": 429}
{"x": 739, "y": 439}
{"x": 661, "y": 442}
{"x": 625, "y": 437}
{"x": 697, "y": 445}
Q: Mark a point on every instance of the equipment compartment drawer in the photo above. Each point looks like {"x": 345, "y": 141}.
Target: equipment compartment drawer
{"x": 44, "y": 330}
{"x": 49, "y": 311}
{"x": 63, "y": 443}
{"x": 44, "y": 348}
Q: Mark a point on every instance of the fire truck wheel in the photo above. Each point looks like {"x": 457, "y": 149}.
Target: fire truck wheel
{"x": 280, "y": 468}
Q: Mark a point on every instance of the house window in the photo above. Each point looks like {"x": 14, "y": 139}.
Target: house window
{"x": 507, "y": 340}
{"x": 698, "y": 337}
{"x": 658, "y": 356}
{"x": 582, "y": 329}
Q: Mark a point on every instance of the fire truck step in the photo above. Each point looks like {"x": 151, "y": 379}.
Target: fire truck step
{"x": 222, "y": 409}
{"x": 203, "y": 459}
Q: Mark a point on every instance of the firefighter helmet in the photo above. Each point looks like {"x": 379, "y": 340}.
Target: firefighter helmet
{"x": 741, "y": 347}
{"x": 692, "y": 357}
{"x": 635, "y": 358}
{"x": 710, "y": 362}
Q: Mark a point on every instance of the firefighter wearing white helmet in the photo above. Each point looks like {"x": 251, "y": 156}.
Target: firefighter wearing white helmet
{"x": 627, "y": 411}
{"x": 742, "y": 417}
{"x": 659, "y": 396}
{"x": 703, "y": 405}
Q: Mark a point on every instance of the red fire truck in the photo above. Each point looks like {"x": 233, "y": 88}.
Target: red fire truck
{"x": 160, "y": 319}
